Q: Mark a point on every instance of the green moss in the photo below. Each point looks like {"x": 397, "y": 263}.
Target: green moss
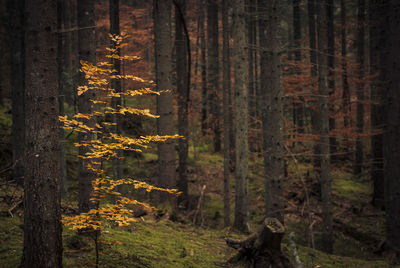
{"x": 345, "y": 185}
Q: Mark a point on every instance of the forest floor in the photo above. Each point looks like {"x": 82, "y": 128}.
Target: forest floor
{"x": 174, "y": 241}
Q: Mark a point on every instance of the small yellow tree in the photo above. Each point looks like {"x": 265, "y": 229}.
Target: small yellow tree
{"x": 107, "y": 144}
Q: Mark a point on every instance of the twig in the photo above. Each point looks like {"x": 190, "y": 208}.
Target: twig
{"x": 13, "y": 207}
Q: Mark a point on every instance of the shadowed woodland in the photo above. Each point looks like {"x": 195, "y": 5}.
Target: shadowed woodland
{"x": 200, "y": 133}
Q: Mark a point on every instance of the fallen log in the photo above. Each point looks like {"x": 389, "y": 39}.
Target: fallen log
{"x": 262, "y": 249}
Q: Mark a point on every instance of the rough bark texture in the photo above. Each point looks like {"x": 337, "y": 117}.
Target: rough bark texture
{"x": 345, "y": 82}
{"x": 359, "y": 158}
{"x": 272, "y": 114}
{"x": 323, "y": 89}
{"x": 226, "y": 95}
{"x": 165, "y": 123}
{"x": 262, "y": 249}
{"x": 241, "y": 115}
{"x": 213, "y": 71}
{"x": 182, "y": 84}
{"x": 87, "y": 52}
{"x": 392, "y": 130}
{"x": 42, "y": 226}
{"x": 377, "y": 53}
{"x": 15, "y": 9}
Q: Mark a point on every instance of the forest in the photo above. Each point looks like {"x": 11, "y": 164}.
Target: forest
{"x": 200, "y": 133}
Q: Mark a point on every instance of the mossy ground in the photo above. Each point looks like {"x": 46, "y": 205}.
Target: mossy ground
{"x": 164, "y": 243}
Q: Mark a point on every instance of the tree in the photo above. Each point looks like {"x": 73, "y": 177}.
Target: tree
{"x": 345, "y": 82}
{"x": 42, "y": 227}
{"x": 359, "y": 158}
{"x": 299, "y": 110}
{"x": 16, "y": 37}
{"x": 392, "y": 129}
{"x": 213, "y": 70}
{"x": 226, "y": 65}
{"x": 183, "y": 89}
{"x": 323, "y": 90}
{"x": 165, "y": 123}
{"x": 87, "y": 52}
{"x": 272, "y": 114}
{"x": 241, "y": 115}
{"x": 377, "y": 51}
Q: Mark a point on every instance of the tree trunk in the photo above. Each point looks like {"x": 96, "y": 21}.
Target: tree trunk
{"x": 42, "y": 226}
{"x": 359, "y": 158}
{"x": 377, "y": 65}
{"x": 204, "y": 90}
{"x": 299, "y": 106}
{"x": 262, "y": 249}
{"x": 323, "y": 89}
{"x": 165, "y": 123}
{"x": 15, "y": 10}
{"x": 226, "y": 95}
{"x": 183, "y": 87}
{"x": 392, "y": 130}
{"x": 213, "y": 70}
{"x": 116, "y": 85}
{"x": 272, "y": 114}
{"x": 345, "y": 82}
{"x": 87, "y": 52}
{"x": 241, "y": 116}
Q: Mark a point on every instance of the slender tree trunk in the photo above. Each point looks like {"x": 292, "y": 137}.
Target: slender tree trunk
{"x": 377, "y": 47}
{"x": 323, "y": 89}
{"x": 213, "y": 70}
{"x": 116, "y": 85}
{"x": 359, "y": 159}
{"x": 87, "y": 52}
{"x": 298, "y": 107}
{"x": 392, "y": 129}
{"x": 182, "y": 72}
{"x": 313, "y": 60}
{"x": 241, "y": 115}
{"x": 331, "y": 78}
{"x": 204, "y": 90}
{"x": 272, "y": 114}
{"x": 16, "y": 37}
{"x": 62, "y": 82}
{"x": 42, "y": 226}
{"x": 226, "y": 95}
{"x": 251, "y": 28}
{"x": 165, "y": 123}
{"x": 345, "y": 82}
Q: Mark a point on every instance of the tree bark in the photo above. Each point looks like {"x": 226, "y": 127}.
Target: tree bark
{"x": 359, "y": 157}
{"x": 42, "y": 226}
{"x": 165, "y": 123}
{"x": 299, "y": 106}
{"x": 183, "y": 87}
{"x": 345, "y": 82}
{"x": 16, "y": 37}
{"x": 392, "y": 130}
{"x": 87, "y": 52}
{"x": 377, "y": 52}
{"x": 226, "y": 95}
{"x": 204, "y": 90}
{"x": 323, "y": 89}
{"x": 272, "y": 114}
{"x": 213, "y": 71}
{"x": 241, "y": 115}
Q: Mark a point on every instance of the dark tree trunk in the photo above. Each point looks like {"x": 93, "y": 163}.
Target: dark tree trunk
{"x": 323, "y": 89}
{"x": 392, "y": 130}
{"x": 272, "y": 113}
{"x": 377, "y": 65}
{"x": 87, "y": 52}
{"x": 204, "y": 90}
{"x": 213, "y": 70}
{"x": 116, "y": 85}
{"x": 42, "y": 226}
{"x": 226, "y": 95}
{"x": 241, "y": 116}
{"x": 359, "y": 158}
{"x": 63, "y": 69}
{"x": 165, "y": 123}
{"x": 345, "y": 82}
{"x": 183, "y": 87}
{"x": 299, "y": 106}
{"x": 331, "y": 77}
{"x": 15, "y": 10}
{"x": 262, "y": 249}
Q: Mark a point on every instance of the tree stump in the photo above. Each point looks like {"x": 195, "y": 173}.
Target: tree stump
{"x": 262, "y": 249}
